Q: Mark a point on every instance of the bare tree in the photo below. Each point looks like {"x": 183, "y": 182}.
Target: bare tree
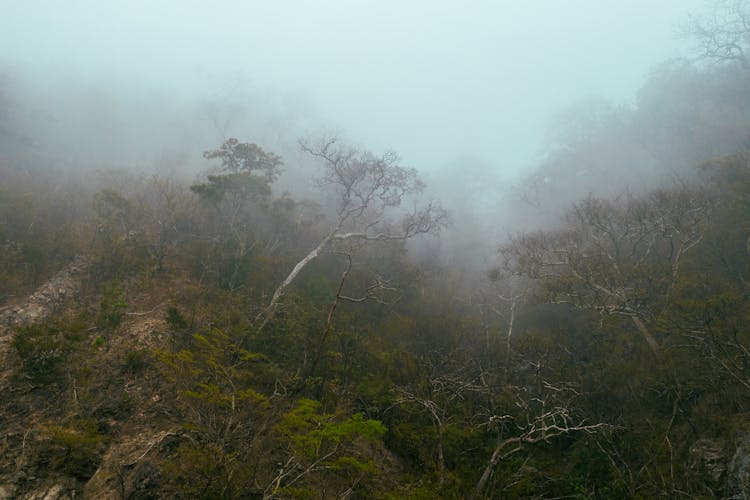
{"x": 724, "y": 33}
{"x": 459, "y": 390}
{"x": 165, "y": 207}
{"x": 614, "y": 257}
{"x": 224, "y": 107}
{"x": 449, "y": 384}
{"x": 369, "y": 191}
{"x": 503, "y": 299}
{"x": 537, "y": 418}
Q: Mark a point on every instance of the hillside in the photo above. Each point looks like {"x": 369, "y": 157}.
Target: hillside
{"x": 263, "y": 322}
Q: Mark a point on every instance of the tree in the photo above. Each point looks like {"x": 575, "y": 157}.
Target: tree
{"x": 167, "y": 214}
{"x": 224, "y": 108}
{"x": 216, "y": 380}
{"x": 325, "y": 444}
{"x": 536, "y": 418}
{"x": 377, "y": 291}
{"x": 368, "y": 191}
{"x": 225, "y": 416}
{"x": 506, "y": 294}
{"x": 615, "y": 258}
{"x": 711, "y": 311}
{"x": 242, "y": 181}
{"x": 724, "y": 34}
{"x": 444, "y": 395}
{"x": 246, "y": 173}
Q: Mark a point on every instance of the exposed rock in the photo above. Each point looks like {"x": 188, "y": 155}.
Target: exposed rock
{"x": 738, "y": 474}
{"x": 126, "y": 471}
{"x": 63, "y": 286}
{"x": 708, "y": 459}
{"x": 143, "y": 482}
{"x": 50, "y": 295}
{"x": 57, "y": 491}
{"x": 7, "y": 491}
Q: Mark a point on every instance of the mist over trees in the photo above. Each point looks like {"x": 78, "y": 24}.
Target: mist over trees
{"x": 209, "y": 295}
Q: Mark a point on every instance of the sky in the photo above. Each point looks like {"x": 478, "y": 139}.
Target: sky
{"x": 435, "y": 81}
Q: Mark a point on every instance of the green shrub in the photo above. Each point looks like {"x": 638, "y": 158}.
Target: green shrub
{"x": 112, "y": 307}
{"x": 206, "y": 471}
{"x": 136, "y": 361}
{"x": 44, "y": 348}
{"x": 74, "y": 450}
{"x": 175, "y": 319}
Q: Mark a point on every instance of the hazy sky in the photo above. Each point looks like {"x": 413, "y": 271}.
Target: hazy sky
{"x": 434, "y": 80}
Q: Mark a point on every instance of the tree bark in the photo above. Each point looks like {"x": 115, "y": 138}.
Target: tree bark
{"x": 652, "y": 343}
{"x": 269, "y": 311}
{"x": 496, "y": 457}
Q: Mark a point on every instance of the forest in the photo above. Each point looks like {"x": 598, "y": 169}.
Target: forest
{"x": 348, "y": 332}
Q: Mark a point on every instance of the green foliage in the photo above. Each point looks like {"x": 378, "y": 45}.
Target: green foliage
{"x": 418, "y": 491}
{"x": 175, "y": 319}
{"x": 676, "y": 258}
{"x": 245, "y": 158}
{"x": 321, "y": 441}
{"x": 112, "y": 307}
{"x": 44, "y": 348}
{"x": 119, "y": 248}
{"x": 74, "y": 449}
{"x": 309, "y": 430}
{"x": 117, "y": 214}
{"x": 205, "y": 471}
{"x": 136, "y": 361}
{"x": 591, "y": 471}
{"x": 219, "y": 187}
{"x": 217, "y": 380}
{"x": 414, "y": 441}
{"x": 36, "y": 238}
{"x": 223, "y": 410}
{"x": 238, "y": 211}
{"x": 247, "y": 173}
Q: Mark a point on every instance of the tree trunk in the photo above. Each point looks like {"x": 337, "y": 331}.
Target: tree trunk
{"x": 329, "y": 320}
{"x": 652, "y": 343}
{"x": 269, "y": 311}
{"x": 496, "y": 457}
{"x": 441, "y": 456}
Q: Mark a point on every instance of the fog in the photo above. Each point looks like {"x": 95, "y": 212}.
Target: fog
{"x": 375, "y": 249}
{"x": 434, "y": 81}
{"x": 510, "y": 110}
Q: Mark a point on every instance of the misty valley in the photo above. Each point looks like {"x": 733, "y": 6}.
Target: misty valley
{"x": 211, "y": 295}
